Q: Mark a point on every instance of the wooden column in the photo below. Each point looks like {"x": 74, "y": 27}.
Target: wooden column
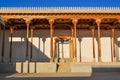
{"x": 75, "y": 48}
{"x": 3, "y": 44}
{"x": 113, "y": 45}
{"x": 58, "y": 55}
{"x": 51, "y": 38}
{"x": 56, "y": 50}
{"x": 93, "y": 43}
{"x": 72, "y": 48}
{"x": 99, "y": 41}
{"x": 31, "y": 44}
{"x": 11, "y": 34}
{"x": 55, "y": 55}
{"x": 27, "y": 37}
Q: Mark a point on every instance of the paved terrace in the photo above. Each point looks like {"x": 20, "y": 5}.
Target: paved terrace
{"x": 94, "y": 76}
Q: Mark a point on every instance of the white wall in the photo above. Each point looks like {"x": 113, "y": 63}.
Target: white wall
{"x": 41, "y": 45}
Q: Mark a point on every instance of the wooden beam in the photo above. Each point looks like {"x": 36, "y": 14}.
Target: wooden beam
{"x": 99, "y": 41}
{"x": 11, "y": 34}
{"x": 63, "y": 15}
{"x": 113, "y": 45}
{"x": 93, "y": 43}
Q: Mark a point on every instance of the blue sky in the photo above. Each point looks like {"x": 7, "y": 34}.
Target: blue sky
{"x": 59, "y": 3}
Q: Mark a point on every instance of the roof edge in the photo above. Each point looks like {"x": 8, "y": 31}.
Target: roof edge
{"x": 59, "y": 9}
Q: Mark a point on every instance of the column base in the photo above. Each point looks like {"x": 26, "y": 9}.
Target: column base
{"x": 75, "y": 59}
{"x": 51, "y": 60}
{"x": 94, "y": 60}
{"x": 56, "y": 60}
{"x": 114, "y": 59}
{"x": 99, "y": 59}
{"x": 62, "y": 60}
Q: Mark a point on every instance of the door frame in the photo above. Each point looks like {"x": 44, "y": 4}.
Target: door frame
{"x": 64, "y": 38}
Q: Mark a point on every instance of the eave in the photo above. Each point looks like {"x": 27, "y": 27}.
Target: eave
{"x": 59, "y": 10}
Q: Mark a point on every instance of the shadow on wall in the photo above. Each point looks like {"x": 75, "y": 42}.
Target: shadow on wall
{"x": 39, "y": 53}
{"x": 41, "y": 45}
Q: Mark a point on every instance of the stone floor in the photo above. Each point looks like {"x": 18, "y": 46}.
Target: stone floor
{"x": 94, "y": 76}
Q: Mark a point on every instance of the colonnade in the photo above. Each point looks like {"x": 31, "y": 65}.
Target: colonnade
{"x": 51, "y": 22}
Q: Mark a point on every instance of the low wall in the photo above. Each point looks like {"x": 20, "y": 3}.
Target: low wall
{"x": 81, "y": 68}
{"x": 28, "y": 67}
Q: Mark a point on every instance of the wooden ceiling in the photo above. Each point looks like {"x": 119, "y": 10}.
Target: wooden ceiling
{"x": 110, "y": 23}
{"x": 17, "y": 23}
{"x": 63, "y": 23}
{"x": 60, "y": 23}
{"x": 40, "y": 24}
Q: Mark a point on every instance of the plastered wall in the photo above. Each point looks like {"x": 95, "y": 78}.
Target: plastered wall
{"x": 41, "y": 45}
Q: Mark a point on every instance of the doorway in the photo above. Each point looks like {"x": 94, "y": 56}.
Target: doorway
{"x": 63, "y": 47}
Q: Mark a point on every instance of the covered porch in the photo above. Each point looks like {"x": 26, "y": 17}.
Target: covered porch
{"x": 59, "y": 42}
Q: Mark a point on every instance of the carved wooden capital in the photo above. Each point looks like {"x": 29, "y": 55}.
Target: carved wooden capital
{"x": 98, "y": 21}
{"x": 51, "y": 21}
{"x": 74, "y": 21}
{"x": 27, "y": 20}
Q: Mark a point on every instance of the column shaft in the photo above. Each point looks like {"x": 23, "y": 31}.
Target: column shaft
{"x": 27, "y": 37}
{"x": 72, "y": 44}
{"x": 93, "y": 43}
{"x": 11, "y": 34}
{"x": 31, "y": 44}
{"x": 51, "y": 38}
{"x": 99, "y": 42}
{"x": 75, "y": 48}
{"x": 113, "y": 45}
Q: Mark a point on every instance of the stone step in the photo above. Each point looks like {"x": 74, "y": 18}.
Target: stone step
{"x": 63, "y": 67}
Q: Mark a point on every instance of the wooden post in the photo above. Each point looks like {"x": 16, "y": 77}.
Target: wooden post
{"x": 72, "y": 55}
{"x": 3, "y": 44}
{"x": 51, "y": 38}
{"x": 113, "y": 45}
{"x": 58, "y": 55}
{"x": 11, "y": 34}
{"x": 31, "y": 45}
{"x": 55, "y": 51}
{"x": 99, "y": 41}
{"x": 75, "y": 48}
{"x": 70, "y": 48}
{"x": 93, "y": 43}
{"x": 27, "y": 37}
